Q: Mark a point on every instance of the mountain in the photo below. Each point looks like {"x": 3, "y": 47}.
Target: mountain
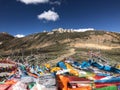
{"x": 5, "y": 37}
{"x": 58, "y": 42}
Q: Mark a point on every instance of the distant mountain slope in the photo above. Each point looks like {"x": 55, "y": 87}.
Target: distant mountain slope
{"x": 5, "y": 37}
{"x": 56, "y": 41}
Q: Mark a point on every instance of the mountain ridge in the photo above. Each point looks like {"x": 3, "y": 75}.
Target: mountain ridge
{"x": 41, "y": 40}
{"x": 59, "y": 43}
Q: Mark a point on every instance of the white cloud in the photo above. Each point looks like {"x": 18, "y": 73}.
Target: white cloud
{"x": 49, "y": 16}
{"x": 19, "y": 35}
{"x": 33, "y": 1}
{"x": 55, "y": 2}
{"x": 83, "y": 30}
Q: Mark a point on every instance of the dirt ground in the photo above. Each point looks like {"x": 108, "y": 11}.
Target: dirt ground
{"x": 70, "y": 52}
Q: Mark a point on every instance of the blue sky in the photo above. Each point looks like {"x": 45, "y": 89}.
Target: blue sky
{"x": 28, "y": 16}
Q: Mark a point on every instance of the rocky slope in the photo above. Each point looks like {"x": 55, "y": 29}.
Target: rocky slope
{"x": 57, "y": 42}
